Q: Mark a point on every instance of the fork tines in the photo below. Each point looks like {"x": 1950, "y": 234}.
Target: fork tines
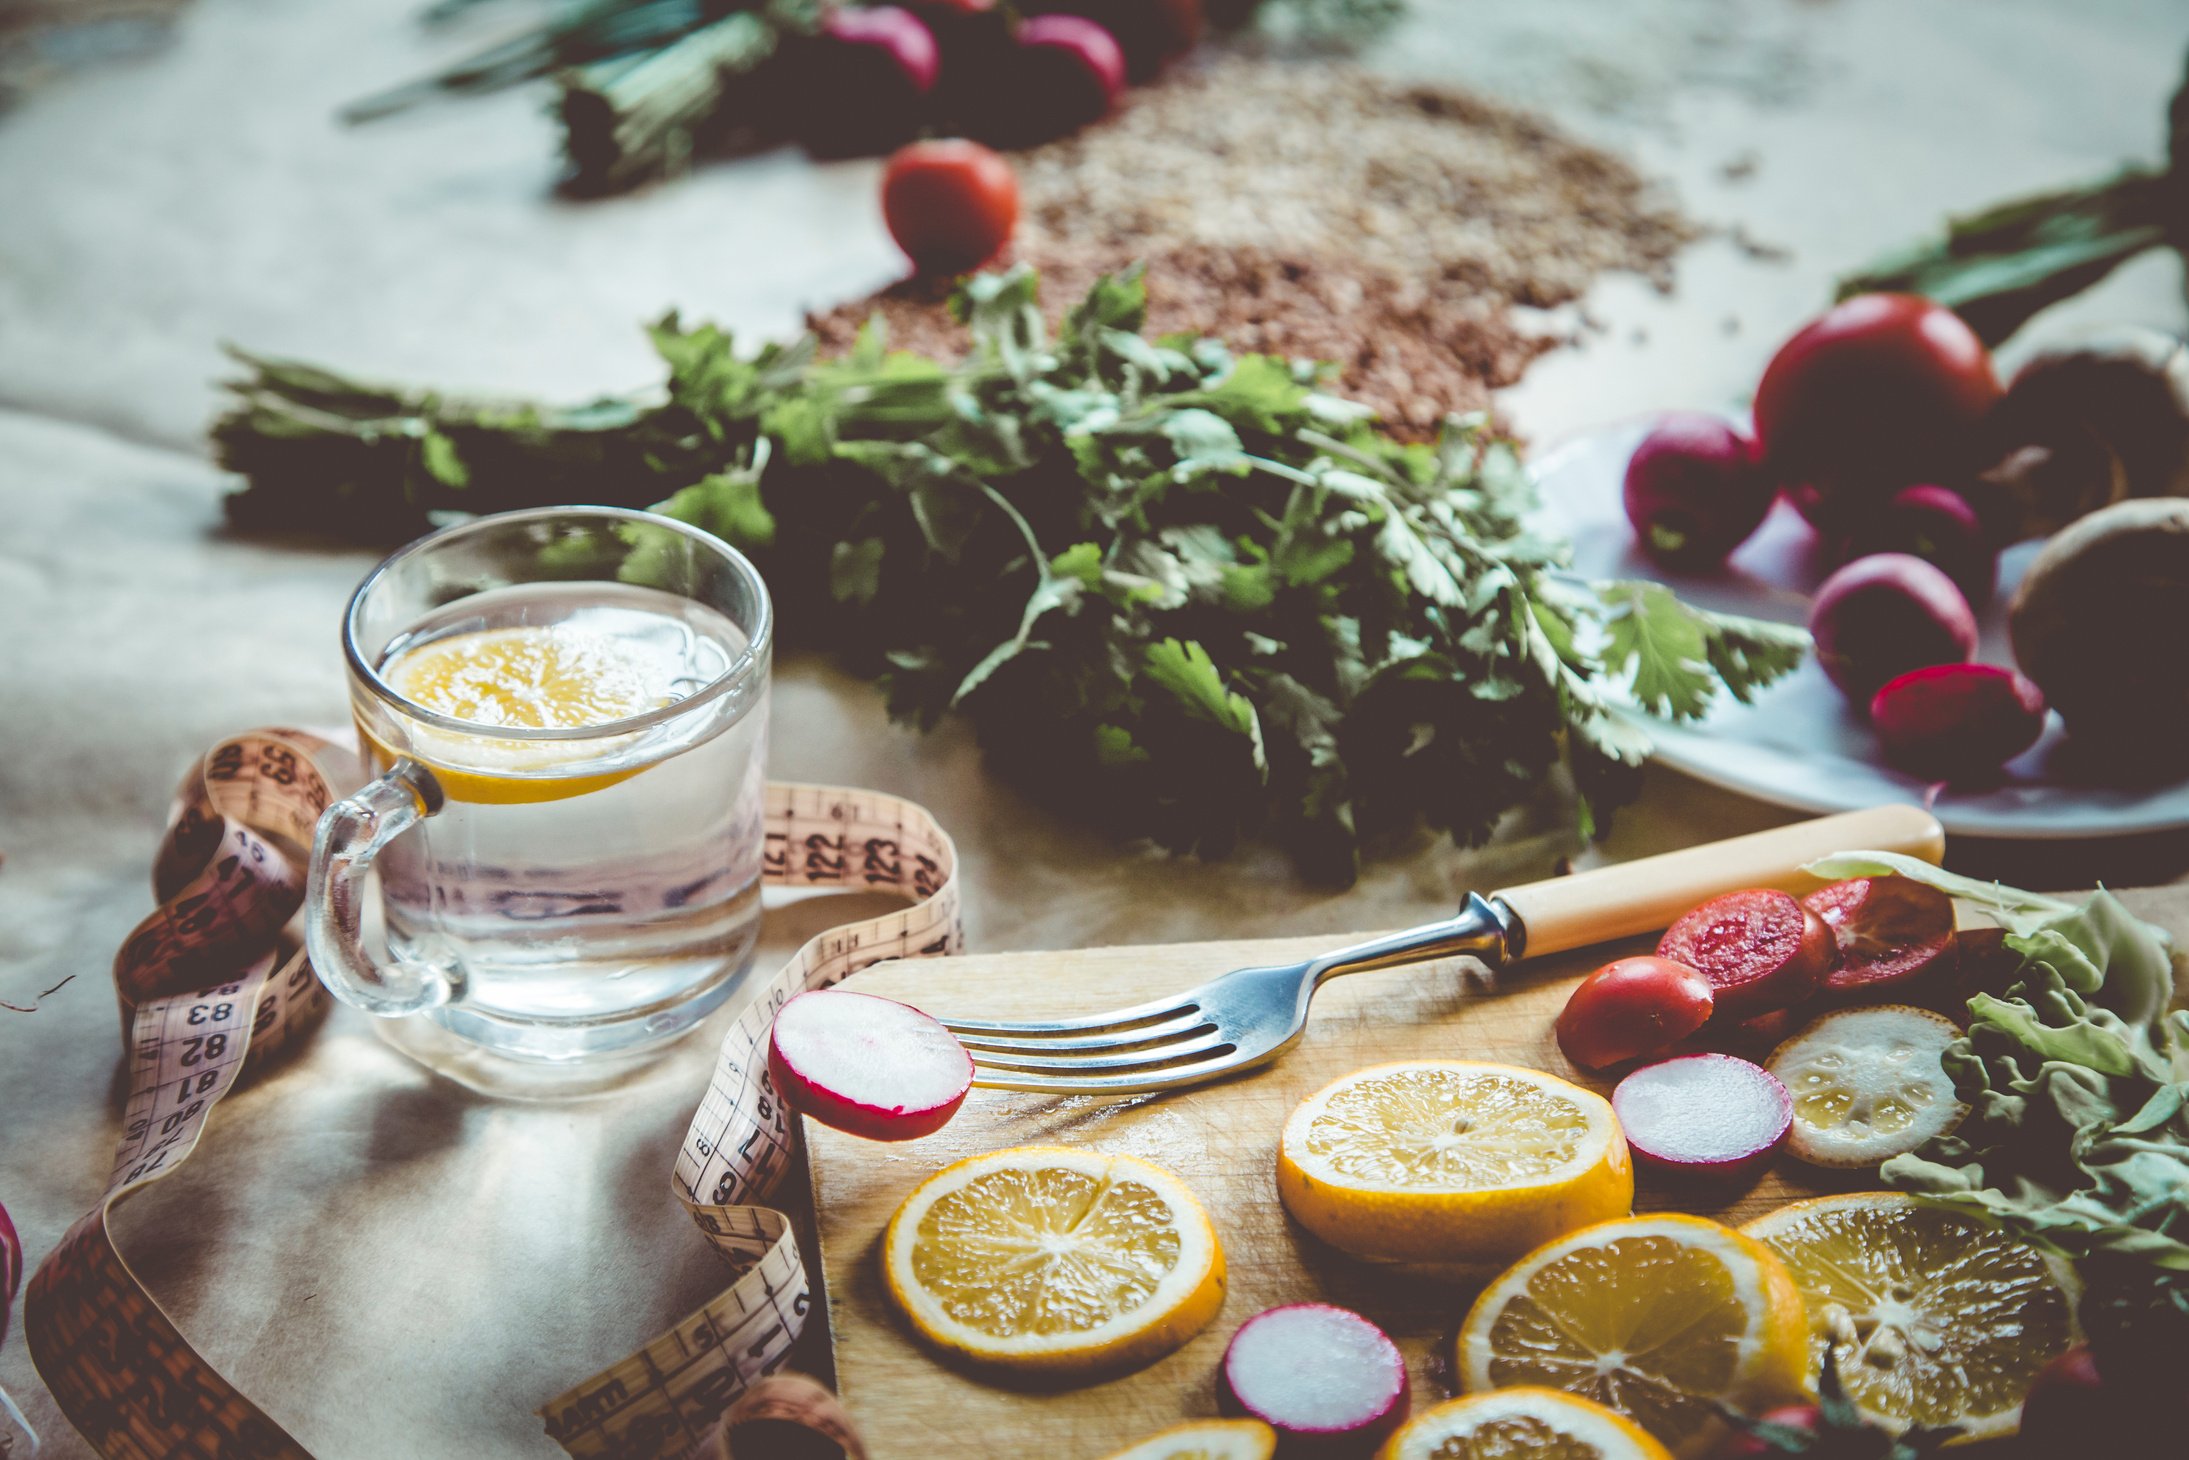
{"x": 1149, "y": 1047}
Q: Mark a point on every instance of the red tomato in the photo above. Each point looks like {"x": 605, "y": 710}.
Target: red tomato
{"x": 950, "y": 205}
{"x": 1882, "y": 391}
{"x": 1890, "y": 931}
{"x": 1759, "y": 948}
{"x": 1631, "y": 1008}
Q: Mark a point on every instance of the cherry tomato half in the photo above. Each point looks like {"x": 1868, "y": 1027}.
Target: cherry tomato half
{"x": 1632, "y": 1008}
{"x": 951, "y": 205}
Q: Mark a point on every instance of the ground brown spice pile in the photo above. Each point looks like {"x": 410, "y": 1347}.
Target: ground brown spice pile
{"x": 1316, "y": 211}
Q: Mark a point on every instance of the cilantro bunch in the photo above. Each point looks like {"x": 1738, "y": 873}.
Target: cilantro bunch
{"x": 1182, "y": 593}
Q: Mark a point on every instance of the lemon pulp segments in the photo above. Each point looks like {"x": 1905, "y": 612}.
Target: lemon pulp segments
{"x": 1044, "y": 1252}
{"x": 1658, "y": 1318}
{"x": 1206, "y": 1439}
{"x": 1946, "y": 1321}
{"x": 1054, "y": 1258}
{"x": 1451, "y": 1160}
{"x": 530, "y": 676}
{"x": 1445, "y": 1128}
{"x": 1523, "y": 1423}
{"x": 524, "y": 676}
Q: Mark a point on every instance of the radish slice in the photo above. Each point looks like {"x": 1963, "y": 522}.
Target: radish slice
{"x": 1704, "y": 1115}
{"x": 1760, "y": 949}
{"x": 873, "y": 1067}
{"x": 1326, "y": 1379}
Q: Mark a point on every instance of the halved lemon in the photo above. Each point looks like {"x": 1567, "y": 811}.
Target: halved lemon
{"x": 1206, "y": 1439}
{"x": 1451, "y": 1161}
{"x": 1054, "y": 1259}
{"x": 525, "y": 676}
{"x": 1868, "y": 1084}
{"x": 1526, "y": 1422}
{"x": 1944, "y": 1320}
{"x": 1661, "y": 1318}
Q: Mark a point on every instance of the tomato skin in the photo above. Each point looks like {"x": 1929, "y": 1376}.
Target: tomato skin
{"x": 1631, "y": 1008}
{"x": 1880, "y": 392}
{"x": 1759, "y": 948}
{"x": 951, "y": 205}
{"x": 1890, "y": 931}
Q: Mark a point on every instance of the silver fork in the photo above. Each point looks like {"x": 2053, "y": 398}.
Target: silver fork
{"x": 1249, "y": 1016}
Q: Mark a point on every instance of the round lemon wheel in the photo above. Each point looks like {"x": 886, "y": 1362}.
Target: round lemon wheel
{"x": 1943, "y": 1320}
{"x": 1523, "y": 1423}
{"x": 526, "y": 676}
{"x": 1451, "y": 1161}
{"x": 1055, "y": 1260}
{"x": 1206, "y": 1439}
{"x": 1660, "y": 1318}
{"x": 1868, "y": 1084}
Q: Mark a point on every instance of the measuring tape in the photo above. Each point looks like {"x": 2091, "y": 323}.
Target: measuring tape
{"x": 207, "y": 988}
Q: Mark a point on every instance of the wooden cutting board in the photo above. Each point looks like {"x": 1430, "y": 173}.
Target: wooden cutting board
{"x": 1222, "y": 1140}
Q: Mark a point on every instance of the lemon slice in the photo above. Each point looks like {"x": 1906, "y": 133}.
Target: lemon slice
{"x": 526, "y": 676}
{"x": 1868, "y": 1084}
{"x": 1053, "y": 1259}
{"x": 1451, "y": 1160}
{"x": 1660, "y": 1318}
{"x": 1945, "y": 1320}
{"x": 1206, "y": 1439}
{"x": 1522, "y": 1423}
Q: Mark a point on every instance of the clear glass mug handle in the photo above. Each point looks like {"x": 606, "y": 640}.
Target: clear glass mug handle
{"x": 350, "y": 834}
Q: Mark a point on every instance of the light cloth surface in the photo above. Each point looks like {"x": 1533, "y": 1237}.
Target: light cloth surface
{"x": 392, "y": 1265}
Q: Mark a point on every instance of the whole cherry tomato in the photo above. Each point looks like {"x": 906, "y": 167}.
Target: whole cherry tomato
{"x": 950, "y": 205}
{"x": 1880, "y": 392}
{"x": 1631, "y": 1008}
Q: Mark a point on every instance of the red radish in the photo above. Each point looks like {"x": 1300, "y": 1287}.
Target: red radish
{"x": 1957, "y": 721}
{"x": 1883, "y": 615}
{"x": 1704, "y": 1115}
{"x": 1692, "y": 490}
{"x": 1879, "y": 392}
{"x": 1327, "y": 1380}
{"x": 865, "y": 79}
{"x": 951, "y": 205}
{"x": 1760, "y": 949}
{"x": 1068, "y": 72}
{"x": 873, "y": 1067}
{"x": 1630, "y": 1009}
{"x": 1939, "y": 526}
{"x": 1891, "y": 931}
{"x": 1152, "y": 33}
{"x": 11, "y": 1267}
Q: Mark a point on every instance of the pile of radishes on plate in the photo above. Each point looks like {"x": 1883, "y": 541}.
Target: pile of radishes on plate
{"x": 1837, "y": 995}
{"x": 1885, "y": 425}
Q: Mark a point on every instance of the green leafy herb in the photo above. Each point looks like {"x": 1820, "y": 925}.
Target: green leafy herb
{"x": 2002, "y": 265}
{"x": 1184, "y": 593}
{"x": 2076, "y": 1077}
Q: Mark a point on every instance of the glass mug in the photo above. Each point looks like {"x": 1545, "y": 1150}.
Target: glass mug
{"x": 569, "y": 889}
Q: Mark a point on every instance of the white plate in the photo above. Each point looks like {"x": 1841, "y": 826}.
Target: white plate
{"x": 1800, "y": 745}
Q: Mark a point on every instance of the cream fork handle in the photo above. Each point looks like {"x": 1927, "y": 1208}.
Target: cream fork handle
{"x": 1608, "y": 903}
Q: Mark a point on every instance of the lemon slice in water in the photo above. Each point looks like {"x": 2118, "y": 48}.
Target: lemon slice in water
{"x": 530, "y": 677}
